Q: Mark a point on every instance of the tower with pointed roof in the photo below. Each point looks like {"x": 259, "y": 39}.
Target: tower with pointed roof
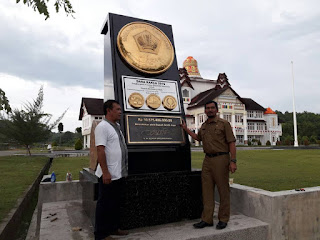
{"x": 191, "y": 65}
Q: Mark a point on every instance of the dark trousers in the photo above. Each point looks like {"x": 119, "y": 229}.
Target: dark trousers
{"x": 108, "y": 208}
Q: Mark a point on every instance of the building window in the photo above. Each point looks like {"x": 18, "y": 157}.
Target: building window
{"x": 186, "y": 96}
{"x": 202, "y": 118}
{"x": 254, "y": 139}
{"x": 260, "y": 126}
{"x": 250, "y": 126}
{"x": 250, "y": 114}
{"x": 239, "y": 118}
{"x": 185, "y": 93}
{"x": 273, "y": 122}
{"x": 258, "y": 114}
{"x": 239, "y": 139}
{"x": 227, "y": 117}
{"x": 85, "y": 122}
{"x": 226, "y": 106}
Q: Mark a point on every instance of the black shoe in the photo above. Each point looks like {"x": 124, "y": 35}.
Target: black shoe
{"x": 202, "y": 224}
{"x": 221, "y": 225}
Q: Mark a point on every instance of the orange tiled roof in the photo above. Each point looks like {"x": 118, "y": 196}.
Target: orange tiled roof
{"x": 269, "y": 111}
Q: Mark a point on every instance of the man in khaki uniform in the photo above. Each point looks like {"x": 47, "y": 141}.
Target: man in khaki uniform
{"x": 220, "y": 149}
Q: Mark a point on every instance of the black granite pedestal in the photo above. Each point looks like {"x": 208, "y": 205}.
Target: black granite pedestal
{"x": 150, "y": 199}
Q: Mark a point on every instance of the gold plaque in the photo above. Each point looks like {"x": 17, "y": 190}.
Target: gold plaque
{"x": 153, "y": 101}
{"x": 145, "y": 47}
{"x": 169, "y": 102}
{"x": 136, "y": 100}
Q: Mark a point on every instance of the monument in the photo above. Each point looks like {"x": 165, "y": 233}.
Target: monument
{"x": 141, "y": 73}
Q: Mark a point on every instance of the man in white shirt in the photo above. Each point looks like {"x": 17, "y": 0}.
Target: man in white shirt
{"x": 112, "y": 167}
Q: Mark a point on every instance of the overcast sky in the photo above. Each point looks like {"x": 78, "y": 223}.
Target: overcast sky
{"x": 252, "y": 41}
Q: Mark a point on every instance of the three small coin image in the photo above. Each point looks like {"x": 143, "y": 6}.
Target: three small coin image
{"x": 169, "y": 102}
{"x": 153, "y": 101}
{"x": 136, "y": 100}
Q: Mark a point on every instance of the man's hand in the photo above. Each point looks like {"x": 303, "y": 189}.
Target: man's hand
{"x": 232, "y": 167}
{"x": 183, "y": 124}
{"x": 106, "y": 178}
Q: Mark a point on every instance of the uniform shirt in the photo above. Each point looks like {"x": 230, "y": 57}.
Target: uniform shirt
{"x": 216, "y": 136}
{"x": 106, "y": 135}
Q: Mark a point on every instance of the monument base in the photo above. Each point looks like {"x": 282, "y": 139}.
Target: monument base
{"x": 150, "y": 199}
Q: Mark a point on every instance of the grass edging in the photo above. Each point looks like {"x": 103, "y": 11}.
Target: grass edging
{"x": 11, "y": 223}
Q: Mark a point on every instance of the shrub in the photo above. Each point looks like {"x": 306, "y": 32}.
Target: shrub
{"x": 54, "y": 144}
{"x": 278, "y": 143}
{"x": 249, "y": 143}
{"x": 305, "y": 140}
{"x": 268, "y": 143}
{"x": 78, "y": 145}
{"x": 259, "y": 143}
{"x": 288, "y": 140}
{"x": 313, "y": 139}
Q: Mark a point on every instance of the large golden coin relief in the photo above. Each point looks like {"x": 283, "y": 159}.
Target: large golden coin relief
{"x": 145, "y": 47}
{"x": 153, "y": 101}
{"x": 136, "y": 100}
{"x": 169, "y": 102}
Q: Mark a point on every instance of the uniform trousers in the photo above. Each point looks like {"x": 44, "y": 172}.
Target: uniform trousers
{"x": 215, "y": 172}
{"x": 108, "y": 208}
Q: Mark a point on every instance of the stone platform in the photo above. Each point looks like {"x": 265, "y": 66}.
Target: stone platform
{"x": 67, "y": 220}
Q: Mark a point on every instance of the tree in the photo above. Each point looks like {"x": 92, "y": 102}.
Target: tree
{"x": 78, "y": 145}
{"x": 60, "y": 129}
{"x": 78, "y": 129}
{"x": 41, "y": 6}
{"x": 68, "y": 138}
{"x": 308, "y": 124}
{"x": 29, "y": 125}
{"x": 4, "y": 102}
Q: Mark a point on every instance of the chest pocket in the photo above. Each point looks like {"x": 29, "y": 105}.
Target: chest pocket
{"x": 219, "y": 129}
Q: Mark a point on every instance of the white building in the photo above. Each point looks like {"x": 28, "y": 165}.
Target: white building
{"x": 249, "y": 120}
{"x": 91, "y": 109}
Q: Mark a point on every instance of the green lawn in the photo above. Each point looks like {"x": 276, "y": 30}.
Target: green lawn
{"x": 274, "y": 170}
{"x": 62, "y": 165}
{"x": 17, "y": 174}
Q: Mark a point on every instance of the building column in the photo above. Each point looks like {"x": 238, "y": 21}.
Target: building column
{"x": 88, "y": 141}
{"x": 245, "y": 137}
{"x": 233, "y": 123}
{"x": 84, "y": 142}
{"x": 196, "y": 122}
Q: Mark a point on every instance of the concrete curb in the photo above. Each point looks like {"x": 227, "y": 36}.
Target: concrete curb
{"x": 11, "y": 223}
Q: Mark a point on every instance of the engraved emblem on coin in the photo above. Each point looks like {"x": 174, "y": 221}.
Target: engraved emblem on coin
{"x": 136, "y": 100}
{"x": 145, "y": 47}
{"x": 169, "y": 102}
{"x": 153, "y": 101}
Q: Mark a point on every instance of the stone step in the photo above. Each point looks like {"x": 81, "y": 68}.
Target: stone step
{"x": 63, "y": 220}
{"x": 240, "y": 227}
